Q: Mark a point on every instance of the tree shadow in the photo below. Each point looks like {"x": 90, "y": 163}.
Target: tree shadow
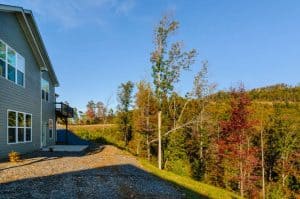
{"x": 117, "y": 181}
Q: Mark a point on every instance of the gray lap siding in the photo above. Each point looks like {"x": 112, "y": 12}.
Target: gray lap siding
{"x": 49, "y": 110}
{"x": 18, "y": 98}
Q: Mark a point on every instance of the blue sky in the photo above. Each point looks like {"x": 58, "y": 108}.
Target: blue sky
{"x": 95, "y": 45}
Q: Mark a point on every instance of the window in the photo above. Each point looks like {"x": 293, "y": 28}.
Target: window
{"x": 11, "y": 73}
{"x": 20, "y": 70}
{"x": 2, "y": 68}
{"x": 45, "y": 90}
{"x": 50, "y": 128}
{"x": 2, "y": 51}
{"x": 28, "y": 127}
{"x": 12, "y": 64}
{"x": 12, "y": 124}
{"x": 19, "y": 128}
{"x": 2, "y": 59}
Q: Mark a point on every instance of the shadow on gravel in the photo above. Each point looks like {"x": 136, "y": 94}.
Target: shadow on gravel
{"x": 118, "y": 181}
{"x": 40, "y": 156}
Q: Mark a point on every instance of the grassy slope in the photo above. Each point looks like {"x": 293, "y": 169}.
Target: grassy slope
{"x": 192, "y": 188}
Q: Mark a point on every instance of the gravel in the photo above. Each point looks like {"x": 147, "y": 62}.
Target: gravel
{"x": 103, "y": 173}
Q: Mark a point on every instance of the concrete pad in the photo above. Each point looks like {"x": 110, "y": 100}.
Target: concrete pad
{"x": 66, "y": 148}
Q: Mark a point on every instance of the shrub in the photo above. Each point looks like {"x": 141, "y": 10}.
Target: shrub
{"x": 14, "y": 156}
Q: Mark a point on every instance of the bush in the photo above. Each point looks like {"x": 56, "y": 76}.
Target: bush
{"x": 14, "y": 156}
{"x": 179, "y": 167}
{"x": 275, "y": 192}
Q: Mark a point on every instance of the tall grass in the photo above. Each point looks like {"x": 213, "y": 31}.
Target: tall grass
{"x": 105, "y": 134}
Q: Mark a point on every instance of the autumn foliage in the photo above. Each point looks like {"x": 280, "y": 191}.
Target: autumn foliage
{"x": 239, "y": 156}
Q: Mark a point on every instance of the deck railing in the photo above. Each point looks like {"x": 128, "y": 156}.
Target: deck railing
{"x": 64, "y": 110}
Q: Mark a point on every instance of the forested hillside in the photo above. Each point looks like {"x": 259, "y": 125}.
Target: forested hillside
{"x": 273, "y": 93}
{"x": 243, "y": 141}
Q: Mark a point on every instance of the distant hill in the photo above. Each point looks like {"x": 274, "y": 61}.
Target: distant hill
{"x": 277, "y": 92}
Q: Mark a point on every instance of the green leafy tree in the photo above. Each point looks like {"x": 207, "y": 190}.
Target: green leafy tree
{"x": 167, "y": 64}
{"x": 200, "y": 136}
{"x": 124, "y": 114}
{"x": 282, "y": 147}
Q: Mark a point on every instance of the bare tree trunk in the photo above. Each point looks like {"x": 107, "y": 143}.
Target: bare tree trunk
{"x": 201, "y": 141}
{"x": 241, "y": 171}
{"x": 138, "y": 148}
{"x": 241, "y": 180}
{"x": 262, "y": 163}
{"x": 174, "y": 115}
{"x": 148, "y": 126}
{"x": 148, "y": 148}
{"x": 283, "y": 174}
{"x": 159, "y": 140}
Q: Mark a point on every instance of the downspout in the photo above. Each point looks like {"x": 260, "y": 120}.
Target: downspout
{"x": 41, "y": 115}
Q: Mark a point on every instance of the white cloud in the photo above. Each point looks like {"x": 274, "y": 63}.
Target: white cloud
{"x": 68, "y": 14}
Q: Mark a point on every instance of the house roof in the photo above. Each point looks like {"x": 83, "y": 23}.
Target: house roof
{"x": 28, "y": 24}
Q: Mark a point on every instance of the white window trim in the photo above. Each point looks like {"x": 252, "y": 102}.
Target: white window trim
{"x": 51, "y": 129}
{"x": 17, "y": 127}
{"x": 16, "y": 70}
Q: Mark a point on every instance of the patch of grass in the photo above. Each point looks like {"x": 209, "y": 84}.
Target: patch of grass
{"x": 104, "y": 134}
{"x": 192, "y": 188}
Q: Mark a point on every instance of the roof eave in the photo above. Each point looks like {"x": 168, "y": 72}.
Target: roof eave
{"x": 33, "y": 41}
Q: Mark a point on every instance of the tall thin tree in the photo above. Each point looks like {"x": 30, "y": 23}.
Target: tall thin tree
{"x": 167, "y": 64}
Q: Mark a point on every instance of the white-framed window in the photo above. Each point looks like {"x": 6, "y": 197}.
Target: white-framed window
{"x": 19, "y": 127}
{"x": 50, "y": 124}
{"x": 12, "y": 64}
{"x": 45, "y": 89}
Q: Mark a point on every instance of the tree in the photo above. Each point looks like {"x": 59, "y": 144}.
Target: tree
{"x": 282, "y": 146}
{"x": 110, "y": 115}
{"x": 124, "y": 115}
{"x": 167, "y": 64}
{"x": 90, "y": 112}
{"x": 101, "y": 111}
{"x": 201, "y": 93}
{"x": 75, "y": 116}
{"x": 145, "y": 113}
{"x": 235, "y": 147}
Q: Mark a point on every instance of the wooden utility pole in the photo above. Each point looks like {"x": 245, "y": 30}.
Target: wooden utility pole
{"x": 159, "y": 140}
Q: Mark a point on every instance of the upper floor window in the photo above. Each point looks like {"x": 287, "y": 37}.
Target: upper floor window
{"x": 12, "y": 64}
{"x": 45, "y": 90}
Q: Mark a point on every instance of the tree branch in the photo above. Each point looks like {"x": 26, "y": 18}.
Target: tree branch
{"x": 174, "y": 129}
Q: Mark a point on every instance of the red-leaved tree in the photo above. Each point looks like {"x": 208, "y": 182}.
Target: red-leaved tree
{"x": 238, "y": 155}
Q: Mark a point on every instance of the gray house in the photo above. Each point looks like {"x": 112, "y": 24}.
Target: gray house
{"x": 27, "y": 84}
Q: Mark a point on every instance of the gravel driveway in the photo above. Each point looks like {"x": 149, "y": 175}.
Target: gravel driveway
{"x": 105, "y": 173}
